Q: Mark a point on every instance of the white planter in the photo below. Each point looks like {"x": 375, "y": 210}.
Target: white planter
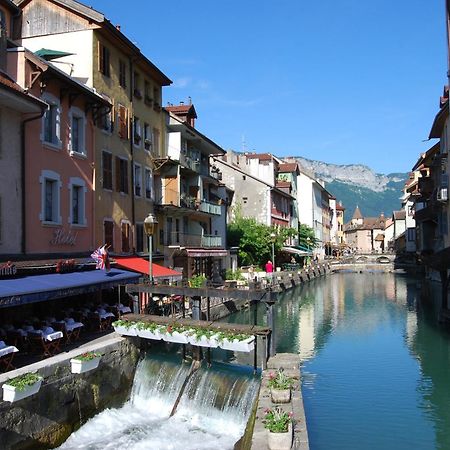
{"x": 79, "y": 366}
{"x": 179, "y": 338}
{"x": 147, "y": 334}
{"x": 12, "y": 394}
{"x": 247, "y": 345}
{"x": 280, "y": 441}
{"x": 203, "y": 341}
{"x": 280, "y": 395}
{"x": 126, "y": 331}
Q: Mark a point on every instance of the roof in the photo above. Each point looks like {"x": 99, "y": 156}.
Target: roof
{"x": 399, "y": 215}
{"x": 379, "y": 237}
{"x": 369, "y": 223}
{"x": 11, "y": 6}
{"x": 426, "y": 157}
{"x": 439, "y": 122}
{"x": 283, "y": 184}
{"x": 357, "y": 214}
{"x": 141, "y": 265}
{"x": 183, "y": 110}
{"x": 288, "y": 168}
{"x": 39, "y": 288}
{"x": 339, "y": 207}
{"x": 260, "y": 156}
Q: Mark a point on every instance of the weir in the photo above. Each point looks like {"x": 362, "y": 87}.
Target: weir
{"x": 213, "y": 407}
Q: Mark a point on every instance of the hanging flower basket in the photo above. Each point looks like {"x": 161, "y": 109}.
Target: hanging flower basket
{"x": 238, "y": 343}
{"x": 125, "y": 328}
{"x": 21, "y": 387}
{"x": 85, "y": 362}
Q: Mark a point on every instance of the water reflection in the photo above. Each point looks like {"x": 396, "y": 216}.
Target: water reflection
{"x": 375, "y": 361}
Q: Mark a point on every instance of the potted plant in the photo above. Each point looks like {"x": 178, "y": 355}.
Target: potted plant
{"x": 125, "y": 327}
{"x": 85, "y": 362}
{"x": 203, "y": 337}
{"x": 197, "y": 281}
{"x": 236, "y": 342}
{"x": 21, "y": 387}
{"x": 279, "y": 426}
{"x": 149, "y": 330}
{"x": 280, "y": 387}
{"x": 175, "y": 333}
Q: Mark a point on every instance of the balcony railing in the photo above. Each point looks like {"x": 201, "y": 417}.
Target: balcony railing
{"x": 210, "y": 208}
{"x": 193, "y": 240}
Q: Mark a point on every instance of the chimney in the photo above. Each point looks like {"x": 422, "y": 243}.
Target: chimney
{"x": 181, "y": 103}
{"x": 118, "y": 27}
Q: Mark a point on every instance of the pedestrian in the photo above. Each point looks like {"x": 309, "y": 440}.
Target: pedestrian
{"x": 269, "y": 266}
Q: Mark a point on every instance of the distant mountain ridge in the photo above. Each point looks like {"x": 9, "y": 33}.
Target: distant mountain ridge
{"x": 357, "y": 184}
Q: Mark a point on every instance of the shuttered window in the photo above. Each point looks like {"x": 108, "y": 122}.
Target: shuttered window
{"x": 108, "y": 231}
{"x": 103, "y": 60}
{"x": 121, "y": 175}
{"x": 125, "y": 237}
{"x": 107, "y": 170}
{"x": 122, "y": 114}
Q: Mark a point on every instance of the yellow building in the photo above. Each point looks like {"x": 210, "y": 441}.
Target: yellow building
{"x": 128, "y": 139}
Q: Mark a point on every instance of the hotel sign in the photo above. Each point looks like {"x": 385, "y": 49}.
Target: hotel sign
{"x": 61, "y": 237}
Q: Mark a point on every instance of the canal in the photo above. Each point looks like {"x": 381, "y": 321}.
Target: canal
{"x": 375, "y": 362}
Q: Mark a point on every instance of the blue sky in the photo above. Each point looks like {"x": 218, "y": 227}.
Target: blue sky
{"x": 348, "y": 81}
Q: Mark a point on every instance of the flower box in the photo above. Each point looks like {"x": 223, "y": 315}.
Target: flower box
{"x": 236, "y": 345}
{"x": 280, "y": 395}
{"x": 16, "y": 393}
{"x": 149, "y": 334}
{"x": 125, "y": 330}
{"x": 280, "y": 441}
{"x": 204, "y": 341}
{"x": 175, "y": 336}
{"x": 82, "y": 366}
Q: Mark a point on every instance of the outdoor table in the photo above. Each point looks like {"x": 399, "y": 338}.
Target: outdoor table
{"x": 6, "y": 356}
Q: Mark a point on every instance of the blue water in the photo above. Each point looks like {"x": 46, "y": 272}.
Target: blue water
{"x": 375, "y": 361}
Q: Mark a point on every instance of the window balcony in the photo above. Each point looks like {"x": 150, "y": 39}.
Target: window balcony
{"x": 193, "y": 240}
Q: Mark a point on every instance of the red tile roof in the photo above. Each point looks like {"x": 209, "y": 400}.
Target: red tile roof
{"x": 260, "y": 156}
{"x": 5, "y": 80}
{"x": 339, "y": 207}
{"x": 288, "y": 167}
{"x": 181, "y": 109}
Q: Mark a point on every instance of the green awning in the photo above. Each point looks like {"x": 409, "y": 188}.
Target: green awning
{"x": 302, "y": 247}
{"x": 49, "y": 55}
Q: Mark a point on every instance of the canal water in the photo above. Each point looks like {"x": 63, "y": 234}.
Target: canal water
{"x": 375, "y": 362}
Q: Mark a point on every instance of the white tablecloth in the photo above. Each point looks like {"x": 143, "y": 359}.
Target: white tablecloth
{"x": 7, "y": 349}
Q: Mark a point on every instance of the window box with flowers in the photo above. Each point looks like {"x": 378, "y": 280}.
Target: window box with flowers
{"x": 21, "y": 387}
{"x": 125, "y": 327}
{"x": 175, "y": 333}
{"x": 150, "y": 330}
{"x": 279, "y": 426}
{"x": 236, "y": 342}
{"x": 85, "y": 362}
{"x": 280, "y": 386}
{"x": 202, "y": 337}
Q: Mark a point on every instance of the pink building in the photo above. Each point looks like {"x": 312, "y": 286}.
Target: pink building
{"x": 59, "y": 158}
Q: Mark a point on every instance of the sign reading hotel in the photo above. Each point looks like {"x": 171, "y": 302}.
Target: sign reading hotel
{"x": 61, "y": 237}
{"x": 7, "y": 270}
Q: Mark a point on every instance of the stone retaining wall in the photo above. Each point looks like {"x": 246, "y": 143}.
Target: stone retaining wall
{"x": 67, "y": 400}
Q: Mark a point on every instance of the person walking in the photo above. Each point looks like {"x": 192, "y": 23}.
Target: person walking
{"x": 269, "y": 266}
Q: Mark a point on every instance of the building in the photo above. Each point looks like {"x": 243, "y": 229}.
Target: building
{"x": 132, "y": 134}
{"x": 340, "y": 223}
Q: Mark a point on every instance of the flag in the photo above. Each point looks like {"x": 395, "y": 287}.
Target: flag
{"x": 101, "y": 257}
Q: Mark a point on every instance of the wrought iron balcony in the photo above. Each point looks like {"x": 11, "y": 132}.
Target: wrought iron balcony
{"x": 193, "y": 240}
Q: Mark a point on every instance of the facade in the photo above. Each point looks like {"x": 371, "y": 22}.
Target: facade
{"x": 190, "y": 199}
{"x": 131, "y": 135}
{"x": 340, "y": 237}
{"x": 408, "y": 207}
{"x": 365, "y": 234}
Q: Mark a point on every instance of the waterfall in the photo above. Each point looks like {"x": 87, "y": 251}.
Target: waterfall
{"x": 212, "y": 413}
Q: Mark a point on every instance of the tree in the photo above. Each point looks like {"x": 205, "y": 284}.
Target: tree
{"x": 254, "y": 240}
{"x": 306, "y": 237}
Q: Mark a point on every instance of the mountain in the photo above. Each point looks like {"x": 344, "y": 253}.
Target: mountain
{"x": 358, "y": 185}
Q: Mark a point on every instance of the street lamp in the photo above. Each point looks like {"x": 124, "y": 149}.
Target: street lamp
{"x": 149, "y": 227}
{"x": 308, "y": 240}
{"x": 273, "y": 236}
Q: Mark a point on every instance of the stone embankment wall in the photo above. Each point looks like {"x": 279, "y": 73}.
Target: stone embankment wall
{"x": 67, "y": 400}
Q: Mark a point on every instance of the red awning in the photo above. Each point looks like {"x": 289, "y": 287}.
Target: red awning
{"x": 142, "y": 265}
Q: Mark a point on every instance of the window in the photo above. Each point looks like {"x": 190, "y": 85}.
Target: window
{"x": 50, "y": 197}
{"x": 123, "y": 121}
{"x": 137, "y": 180}
{"x": 126, "y": 228}
{"x": 108, "y": 233}
{"x": 156, "y": 140}
{"x": 121, "y": 175}
{"x": 411, "y": 234}
{"x": 136, "y": 131}
{"x": 156, "y": 96}
{"x": 147, "y": 137}
{"x": 105, "y": 119}
{"x": 107, "y": 170}
{"x": 2, "y": 20}
{"x": 147, "y": 93}
{"x": 77, "y": 188}
{"x": 122, "y": 73}
{"x": 139, "y": 237}
{"x": 51, "y": 122}
{"x": 148, "y": 183}
{"x": 77, "y": 131}
{"x": 103, "y": 60}
{"x": 136, "y": 86}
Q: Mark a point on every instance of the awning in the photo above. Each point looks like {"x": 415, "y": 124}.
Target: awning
{"x": 296, "y": 251}
{"x": 141, "y": 265}
{"x": 39, "y": 288}
{"x": 49, "y": 54}
{"x": 204, "y": 253}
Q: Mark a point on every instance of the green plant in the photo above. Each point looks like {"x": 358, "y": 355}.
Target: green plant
{"x": 22, "y": 381}
{"x": 149, "y": 326}
{"x": 197, "y": 281}
{"x": 234, "y": 274}
{"x": 280, "y": 380}
{"x": 231, "y": 336}
{"x": 276, "y": 420}
{"x": 175, "y": 327}
{"x": 123, "y": 323}
{"x": 88, "y": 356}
{"x": 198, "y": 332}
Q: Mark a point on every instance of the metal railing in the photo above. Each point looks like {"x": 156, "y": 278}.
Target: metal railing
{"x": 193, "y": 240}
